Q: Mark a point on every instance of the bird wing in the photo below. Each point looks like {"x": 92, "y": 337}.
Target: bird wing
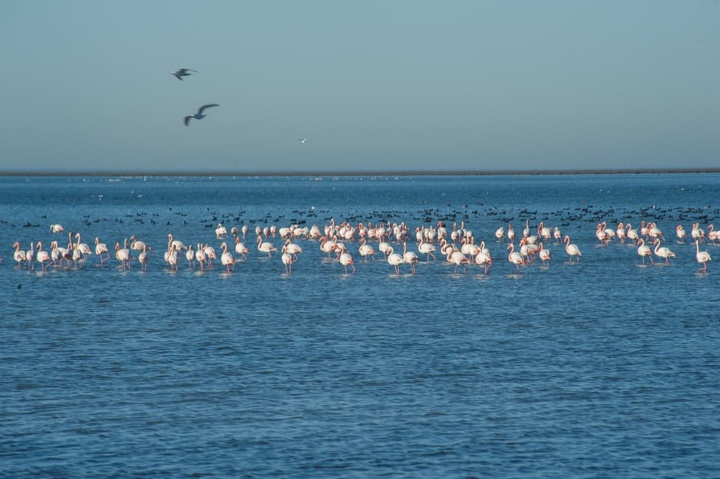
{"x": 187, "y": 120}
{"x": 202, "y": 108}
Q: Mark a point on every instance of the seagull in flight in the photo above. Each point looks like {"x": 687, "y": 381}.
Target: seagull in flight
{"x": 199, "y": 115}
{"x": 302, "y": 140}
{"x": 182, "y": 72}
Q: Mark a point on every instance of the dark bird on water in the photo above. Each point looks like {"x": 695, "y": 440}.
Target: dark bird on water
{"x": 182, "y": 72}
{"x": 199, "y": 115}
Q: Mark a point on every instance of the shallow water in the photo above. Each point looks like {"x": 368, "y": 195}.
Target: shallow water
{"x": 602, "y": 368}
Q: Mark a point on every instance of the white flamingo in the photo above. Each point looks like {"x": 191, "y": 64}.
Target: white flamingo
{"x": 42, "y": 256}
{"x": 544, "y": 254}
{"x": 200, "y": 257}
{"x": 427, "y": 249}
{"x": 327, "y": 246}
{"x": 19, "y": 255}
{"x": 265, "y": 246}
{"x": 221, "y": 231}
{"x": 500, "y": 233}
{"x": 240, "y": 248}
{"x": 287, "y": 260}
{"x": 143, "y": 258}
{"x": 514, "y": 257}
{"x": 458, "y": 259}
{"x": 101, "y": 250}
{"x": 346, "y": 260}
{"x": 226, "y": 258}
{"x": 366, "y": 250}
{"x": 410, "y": 257}
{"x": 572, "y": 249}
{"x": 123, "y": 255}
{"x": 293, "y": 248}
{"x": 210, "y": 255}
{"x": 702, "y": 257}
{"x": 644, "y": 251}
{"x": 190, "y": 257}
{"x": 83, "y": 248}
{"x": 484, "y": 259}
{"x": 663, "y": 252}
{"x": 394, "y": 259}
{"x": 172, "y": 258}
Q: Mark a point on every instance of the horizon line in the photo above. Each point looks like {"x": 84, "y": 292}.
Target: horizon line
{"x": 587, "y": 171}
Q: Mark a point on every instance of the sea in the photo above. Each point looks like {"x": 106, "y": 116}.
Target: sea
{"x": 605, "y": 365}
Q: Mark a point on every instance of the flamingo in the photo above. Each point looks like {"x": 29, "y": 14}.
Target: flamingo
{"x": 510, "y": 233}
{"x": 713, "y": 235}
{"x": 410, "y": 257}
{"x": 240, "y": 248}
{"x": 200, "y": 257}
{"x": 265, "y": 246}
{"x": 366, "y": 250}
{"x": 42, "y": 256}
{"x": 19, "y": 255}
{"x": 557, "y": 234}
{"x": 244, "y": 230}
{"x": 514, "y": 257}
{"x": 326, "y": 245}
{"x": 221, "y": 231}
{"x": 458, "y": 259}
{"x": 287, "y": 260}
{"x": 56, "y": 228}
{"x": 644, "y": 250}
{"x": 394, "y": 259}
{"x": 663, "y": 252}
{"x": 680, "y": 233}
{"x": 83, "y": 248}
{"x": 226, "y": 258}
{"x": 572, "y": 249}
{"x": 544, "y": 232}
{"x": 172, "y": 258}
{"x": 179, "y": 245}
{"x": 632, "y": 234}
{"x": 210, "y": 255}
{"x": 143, "y": 258}
{"x": 101, "y": 250}
{"x": 30, "y": 257}
{"x": 483, "y": 259}
{"x": 346, "y": 259}
{"x": 620, "y": 232}
{"x": 500, "y": 233}
{"x": 697, "y": 233}
{"x": 427, "y": 249}
{"x": 701, "y": 256}
{"x": 135, "y": 244}
{"x": 544, "y": 254}
{"x": 123, "y": 255}
{"x": 292, "y": 248}
{"x": 190, "y": 257}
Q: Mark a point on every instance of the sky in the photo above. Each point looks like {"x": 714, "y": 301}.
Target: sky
{"x": 390, "y": 85}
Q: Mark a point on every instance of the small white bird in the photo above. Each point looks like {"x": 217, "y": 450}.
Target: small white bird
{"x": 182, "y": 72}
{"x": 199, "y": 115}
{"x": 302, "y": 140}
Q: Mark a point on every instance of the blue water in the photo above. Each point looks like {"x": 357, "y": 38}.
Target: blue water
{"x": 603, "y": 368}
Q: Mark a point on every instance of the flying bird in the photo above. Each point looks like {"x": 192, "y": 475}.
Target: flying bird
{"x": 182, "y": 72}
{"x": 302, "y": 140}
{"x": 199, "y": 115}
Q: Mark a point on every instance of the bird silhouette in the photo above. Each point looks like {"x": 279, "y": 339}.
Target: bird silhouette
{"x": 182, "y": 72}
{"x": 199, "y": 115}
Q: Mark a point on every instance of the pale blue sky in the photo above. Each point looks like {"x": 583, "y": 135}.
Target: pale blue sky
{"x": 372, "y": 85}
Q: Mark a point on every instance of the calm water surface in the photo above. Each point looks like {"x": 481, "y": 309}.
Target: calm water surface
{"x": 603, "y": 368}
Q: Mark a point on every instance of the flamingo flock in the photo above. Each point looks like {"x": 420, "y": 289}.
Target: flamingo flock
{"x": 338, "y": 242}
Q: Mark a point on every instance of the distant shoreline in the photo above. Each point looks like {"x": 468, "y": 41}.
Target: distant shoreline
{"x": 135, "y": 173}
